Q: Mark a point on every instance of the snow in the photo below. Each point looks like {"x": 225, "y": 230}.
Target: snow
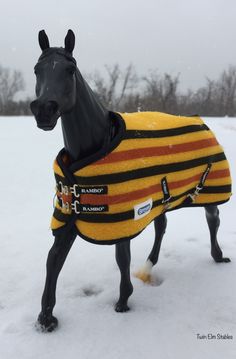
{"x": 191, "y": 294}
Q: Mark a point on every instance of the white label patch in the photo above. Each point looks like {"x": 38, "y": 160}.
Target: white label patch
{"x": 142, "y": 209}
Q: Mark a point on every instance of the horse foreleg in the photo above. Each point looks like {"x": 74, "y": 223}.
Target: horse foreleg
{"x": 56, "y": 258}
{"x": 213, "y": 220}
{"x": 144, "y": 273}
{"x": 126, "y": 288}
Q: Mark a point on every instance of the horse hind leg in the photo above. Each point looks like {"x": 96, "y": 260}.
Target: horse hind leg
{"x": 144, "y": 273}
{"x": 123, "y": 258}
{"x": 213, "y": 221}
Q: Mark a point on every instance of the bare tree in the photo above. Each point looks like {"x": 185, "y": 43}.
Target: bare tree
{"x": 161, "y": 92}
{"x": 118, "y": 86}
{"x": 226, "y": 92}
{"x": 122, "y": 90}
{"x": 11, "y": 82}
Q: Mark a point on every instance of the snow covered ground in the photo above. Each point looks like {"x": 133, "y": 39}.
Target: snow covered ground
{"x": 191, "y": 294}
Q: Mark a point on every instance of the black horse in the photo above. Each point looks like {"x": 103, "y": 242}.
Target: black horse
{"x": 62, "y": 92}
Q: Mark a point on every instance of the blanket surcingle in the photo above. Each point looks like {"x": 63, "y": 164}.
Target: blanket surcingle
{"x": 156, "y": 163}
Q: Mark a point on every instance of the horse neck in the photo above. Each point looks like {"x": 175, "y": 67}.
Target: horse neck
{"x": 86, "y": 126}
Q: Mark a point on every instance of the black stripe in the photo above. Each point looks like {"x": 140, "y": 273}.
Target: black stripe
{"x": 203, "y": 204}
{"x": 133, "y": 134}
{"x": 149, "y": 171}
{"x": 217, "y": 189}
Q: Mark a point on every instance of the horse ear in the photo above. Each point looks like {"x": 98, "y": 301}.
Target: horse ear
{"x": 43, "y": 40}
{"x": 70, "y": 41}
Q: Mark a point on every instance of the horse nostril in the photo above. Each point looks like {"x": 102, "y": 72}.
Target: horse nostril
{"x": 52, "y": 106}
{"x": 34, "y": 106}
{"x": 44, "y": 109}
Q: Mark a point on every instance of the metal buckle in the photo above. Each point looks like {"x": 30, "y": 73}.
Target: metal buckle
{"x": 63, "y": 189}
{"x": 166, "y": 200}
{"x": 75, "y": 190}
{"x": 74, "y": 206}
{"x": 166, "y": 204}
{"x": 66, "y": 206}
{"x": 195, "y": 193}
{"x": 192, "y": 196}
{"x": 198, "y": 189}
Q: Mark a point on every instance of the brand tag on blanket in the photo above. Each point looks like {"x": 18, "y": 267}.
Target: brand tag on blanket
{"x": 93, "y": 208}
{"x": 142, "y": 209}
{"x": 93, "y": 190}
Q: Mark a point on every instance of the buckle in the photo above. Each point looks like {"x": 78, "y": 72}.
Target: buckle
{"x": 75, "y": 190}
{"x": 74, "y": 207}
{"x": 192, "y": 196}
{"x": 66, "y": 206}
{"x": 166, "y": 200}
{"x": 195, "y": 193}
{"x": 198, "y": 189}
{"x": 67, "y": 190}
{"x": 166, "y": 204}
{"x": 63, "y": 189}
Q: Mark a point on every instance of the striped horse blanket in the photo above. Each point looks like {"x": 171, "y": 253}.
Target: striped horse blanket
{"x": 156, "y": 163}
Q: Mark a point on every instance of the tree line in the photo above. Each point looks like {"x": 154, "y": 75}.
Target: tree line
{"x": 125, "y": 91}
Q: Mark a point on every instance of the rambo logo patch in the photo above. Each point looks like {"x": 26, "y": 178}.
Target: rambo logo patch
{"x": 93, "y": 190}
{"x": 142, "y": 209}
{"x": 92, "y": 208}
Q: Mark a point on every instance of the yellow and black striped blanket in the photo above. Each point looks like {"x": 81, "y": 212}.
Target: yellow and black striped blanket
{"x": 156, "y": 163}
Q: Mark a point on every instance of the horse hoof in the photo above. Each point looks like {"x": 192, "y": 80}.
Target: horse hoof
{"x": 121, "y": 308}
{"x": 46, "y": 323}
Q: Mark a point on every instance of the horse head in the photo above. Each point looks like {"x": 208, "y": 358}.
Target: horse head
{"x": 55, "y": 81}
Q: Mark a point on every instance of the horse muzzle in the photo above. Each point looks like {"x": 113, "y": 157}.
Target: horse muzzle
{"x": 45, "y": 113}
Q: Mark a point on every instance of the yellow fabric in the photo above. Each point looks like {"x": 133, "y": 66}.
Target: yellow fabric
{"x": 149, "y": 121}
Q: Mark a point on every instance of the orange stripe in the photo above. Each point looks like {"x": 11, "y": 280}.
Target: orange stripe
{"x": 157, "y": 151}
{"x": 131, "y": 196}
{"x": 219, "y": 174}
{"x": 120, "y": 198}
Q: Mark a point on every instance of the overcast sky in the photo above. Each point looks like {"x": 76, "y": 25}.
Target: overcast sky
{"x": 196, "y": 38}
